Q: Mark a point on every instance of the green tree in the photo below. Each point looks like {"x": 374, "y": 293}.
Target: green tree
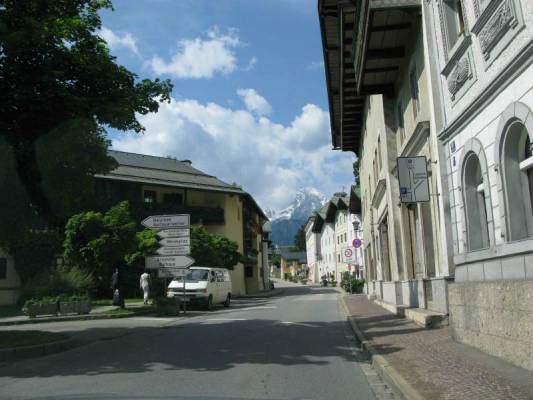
{"x": 211, "y": 250}
{"x": 299, "y": 239}
{"x": 58, "y": 79}
{"x": 356, "y": 171}
{"x": 99, "y": 243}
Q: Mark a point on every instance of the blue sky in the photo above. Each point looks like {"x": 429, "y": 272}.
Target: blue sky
{"x": 249, "y": 100}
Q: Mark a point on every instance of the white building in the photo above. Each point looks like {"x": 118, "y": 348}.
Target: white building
{"x": 312, "y": 246}
{"x": 482, "y": 54}
{"x": 330, "y": 231}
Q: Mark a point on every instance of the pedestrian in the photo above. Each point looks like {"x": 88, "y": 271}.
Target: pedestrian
{"x": 144, "y": 282}
{"x": 116, "y": 286}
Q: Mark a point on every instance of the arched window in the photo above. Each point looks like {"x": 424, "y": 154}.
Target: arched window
{"x": 475, "y": 203}
{"x": 517, "y": 177}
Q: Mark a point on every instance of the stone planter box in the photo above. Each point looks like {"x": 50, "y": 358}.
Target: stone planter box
{"x": 34, "y": 310}
{"x": 168, "y": 306}
{"x": 75, "y": 307}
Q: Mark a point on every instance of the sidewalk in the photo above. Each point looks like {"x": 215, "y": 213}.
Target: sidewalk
{"x": 96, "y": 313}
{"x": 427, "y": 363}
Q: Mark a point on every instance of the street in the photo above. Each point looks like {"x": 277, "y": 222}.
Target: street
{"x": 293, "y": 346}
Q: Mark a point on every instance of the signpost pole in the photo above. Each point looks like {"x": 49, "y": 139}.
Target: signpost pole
{"x": 184, "y": 296}
{"x": 174, "y": 231}
{"x": 351, "y": 280}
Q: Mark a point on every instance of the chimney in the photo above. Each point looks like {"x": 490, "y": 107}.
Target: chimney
{"x": 188, "y": 162}
{"x": 340, "y": 194}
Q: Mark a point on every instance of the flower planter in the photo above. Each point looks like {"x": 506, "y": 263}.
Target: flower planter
{"x": 34, "y": 310}
{"x": 68, "y": 307}
{"x": 167, "y": 306}
{"x": 75, "y": 307}
{"x": 85, "y": 306}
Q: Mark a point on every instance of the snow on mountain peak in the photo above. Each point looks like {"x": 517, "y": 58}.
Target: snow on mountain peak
{"x": 305, "y": 202}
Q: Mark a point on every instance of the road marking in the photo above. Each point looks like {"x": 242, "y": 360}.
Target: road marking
{"x": 298, "y": 323}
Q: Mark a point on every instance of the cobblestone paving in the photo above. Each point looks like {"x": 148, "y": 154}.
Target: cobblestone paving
{"x": 433, "y": 363}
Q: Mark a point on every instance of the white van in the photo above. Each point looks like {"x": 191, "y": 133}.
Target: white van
{"x": 203, "y": 285}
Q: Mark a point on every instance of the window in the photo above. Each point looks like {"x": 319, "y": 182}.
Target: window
{"x": 345, "y": 240}
{"x": 454, "y": 21}
{"x": 150, "y": 196}
{"x": 517, "y": 175}
{"x": 413, "y": 84}
{"x": 379, "y": 154}
{"x": 475, "y": 204}
{"x": 3, "y": 268}
{"x": 401, "y": 127}
{"x": 375, "y": 164}
{"x": 173, "y": 198}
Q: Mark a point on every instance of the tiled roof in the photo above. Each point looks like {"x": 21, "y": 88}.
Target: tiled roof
{"x": 165, "y": 171}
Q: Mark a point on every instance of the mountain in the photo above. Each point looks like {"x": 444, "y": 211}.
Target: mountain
{"x": 286, "y": 222}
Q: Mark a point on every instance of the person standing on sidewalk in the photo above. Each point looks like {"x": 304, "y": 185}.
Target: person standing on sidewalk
{"x": 116, "y": 286}
{"x": 144, "y": 282}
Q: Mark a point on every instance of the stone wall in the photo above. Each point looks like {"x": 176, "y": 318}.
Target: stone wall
{"x": 496, "y": 317}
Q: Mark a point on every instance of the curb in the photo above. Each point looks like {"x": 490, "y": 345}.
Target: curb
{"x": 270, "y": 293}
{"x": 73, "y": 318}
{"x": 389, "y": 374}
{"x": 23, "y": 352}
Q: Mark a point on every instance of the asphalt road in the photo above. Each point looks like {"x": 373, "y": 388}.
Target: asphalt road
{"x": 293, "y": 346}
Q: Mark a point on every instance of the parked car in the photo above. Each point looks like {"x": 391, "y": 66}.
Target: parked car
{"x": 204, "y": 286}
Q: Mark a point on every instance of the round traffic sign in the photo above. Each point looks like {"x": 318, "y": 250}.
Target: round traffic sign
{"x": 348, "y": 253}
{"x": 357, "y": 243}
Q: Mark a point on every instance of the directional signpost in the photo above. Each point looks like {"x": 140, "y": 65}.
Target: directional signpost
{"x": 173, "y": 250}
{"x": 413, "y": 179}
{"x": 173, "y": 260}
{"x": 167, "y": 221}
{"x": 172, "y": 241}
{"x": 174, "y": 233}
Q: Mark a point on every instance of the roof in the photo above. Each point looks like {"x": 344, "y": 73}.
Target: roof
{"x": 340, "y": 201}
{"x": 355, "y": 200}
{"x": 339, "y": 19}
{"x": 165, "y": 171}
{"x": 365, "y": 62}
{"x": 287, "y": 254}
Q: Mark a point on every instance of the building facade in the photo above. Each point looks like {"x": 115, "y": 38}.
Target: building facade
{"x": 450, "y": 80}
{"x": 312, "y": 246}
{"x": 381, "y": 106}
{"x": 329, "y": 232}
{"x": 483, "y": 69}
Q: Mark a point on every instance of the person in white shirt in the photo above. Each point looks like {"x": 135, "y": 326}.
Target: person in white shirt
{"x": 145, "y": 285}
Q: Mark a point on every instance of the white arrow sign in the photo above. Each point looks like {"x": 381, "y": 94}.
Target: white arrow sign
{"x": 174, "y": 233}
{"x": 156, "y": 262}
{"x": 167, "y": 221}
{"x": 183, "y": 241}
{"x": 171, "y": 273}
{"x": 174, "y": 250}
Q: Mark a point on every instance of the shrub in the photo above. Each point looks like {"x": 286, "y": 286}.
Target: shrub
{"x": 349, "y": 279}
{"x": 61, "y": 280}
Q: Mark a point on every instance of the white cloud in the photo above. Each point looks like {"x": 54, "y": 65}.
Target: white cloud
{"x": 315, "y": 65}
{"x": 272, "y": 161}
{"x": 251, "y": 64}
{"x": 116, "y": 41}
{"x": 254, "y": 102}
{"x": 202, "y": 57}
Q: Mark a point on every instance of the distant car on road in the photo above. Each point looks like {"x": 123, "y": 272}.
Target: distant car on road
{"x": 203, "y": 285}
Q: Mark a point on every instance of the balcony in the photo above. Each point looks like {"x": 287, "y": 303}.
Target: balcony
{"x": 199, "y": 214}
